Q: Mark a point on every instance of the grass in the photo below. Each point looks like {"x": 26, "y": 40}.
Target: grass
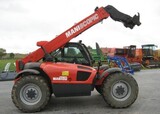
{"x": 3, "y": 63}
{"x": 6, "y": 59}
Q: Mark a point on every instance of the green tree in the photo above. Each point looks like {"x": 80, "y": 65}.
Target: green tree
{"x": 12, "y": 55}
{"x": 89, "y": 47}
{"x": 2, "y": 52}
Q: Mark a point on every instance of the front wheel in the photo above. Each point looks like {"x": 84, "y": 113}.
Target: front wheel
{"x": 120, "y": 90}
{"x": 30, "y": 93}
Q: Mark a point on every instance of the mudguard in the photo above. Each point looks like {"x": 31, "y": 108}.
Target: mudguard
{"x": 27, "y": 71}
{"x": 110, "y": 71}
{"x": 107, "y": 73}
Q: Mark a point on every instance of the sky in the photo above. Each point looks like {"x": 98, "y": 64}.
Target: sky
{"x": 24, "y": 22}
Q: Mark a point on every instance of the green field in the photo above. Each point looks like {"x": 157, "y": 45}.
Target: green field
{"x": 3, "y": 62}
{"x": 6, "y": 59}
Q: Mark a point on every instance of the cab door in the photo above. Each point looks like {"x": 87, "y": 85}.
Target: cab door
{"x": 74, "y": 53}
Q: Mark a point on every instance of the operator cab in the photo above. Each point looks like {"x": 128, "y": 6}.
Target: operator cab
{"x": 148, "y": 51}
{"x": 131, "y": 51}
{"x": 73, "y": 52}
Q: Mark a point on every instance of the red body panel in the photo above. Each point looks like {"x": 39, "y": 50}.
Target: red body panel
{"x": 66, "y": 73}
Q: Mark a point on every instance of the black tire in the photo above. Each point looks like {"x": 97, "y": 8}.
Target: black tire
{"x": 30, "y": 93}
{"x": 120, "y": 90}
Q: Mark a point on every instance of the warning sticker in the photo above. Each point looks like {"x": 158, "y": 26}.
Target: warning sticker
{"x": 65, "y": 73}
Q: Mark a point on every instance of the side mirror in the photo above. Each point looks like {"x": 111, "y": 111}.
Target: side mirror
{"x": 41, "y": 43}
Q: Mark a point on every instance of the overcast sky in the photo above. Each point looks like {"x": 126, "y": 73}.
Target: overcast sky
{"x": 24, "y": 22}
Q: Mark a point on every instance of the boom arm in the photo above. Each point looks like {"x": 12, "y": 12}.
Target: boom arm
{"x": 78, "y": 28}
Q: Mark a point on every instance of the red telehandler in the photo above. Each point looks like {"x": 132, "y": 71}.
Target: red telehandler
{"x": 65, "y": 69}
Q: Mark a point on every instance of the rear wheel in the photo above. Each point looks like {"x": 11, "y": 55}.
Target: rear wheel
{"x": 30, "y": 93}
{"x": 120, "y": 90}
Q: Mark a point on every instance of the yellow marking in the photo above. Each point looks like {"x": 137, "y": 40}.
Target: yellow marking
{"x": 65, "y": 73}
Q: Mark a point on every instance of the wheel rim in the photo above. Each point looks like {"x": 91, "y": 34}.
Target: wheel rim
{"x": 30, "y": 94}
{"x": 121, "y": 90}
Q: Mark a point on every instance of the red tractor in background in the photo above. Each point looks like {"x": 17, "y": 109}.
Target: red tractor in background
{"x": 129, "y": 52}
{"x": 146, "y": 55}
{"x": 134, "y": 60}
{"x": 54, "y": 69}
